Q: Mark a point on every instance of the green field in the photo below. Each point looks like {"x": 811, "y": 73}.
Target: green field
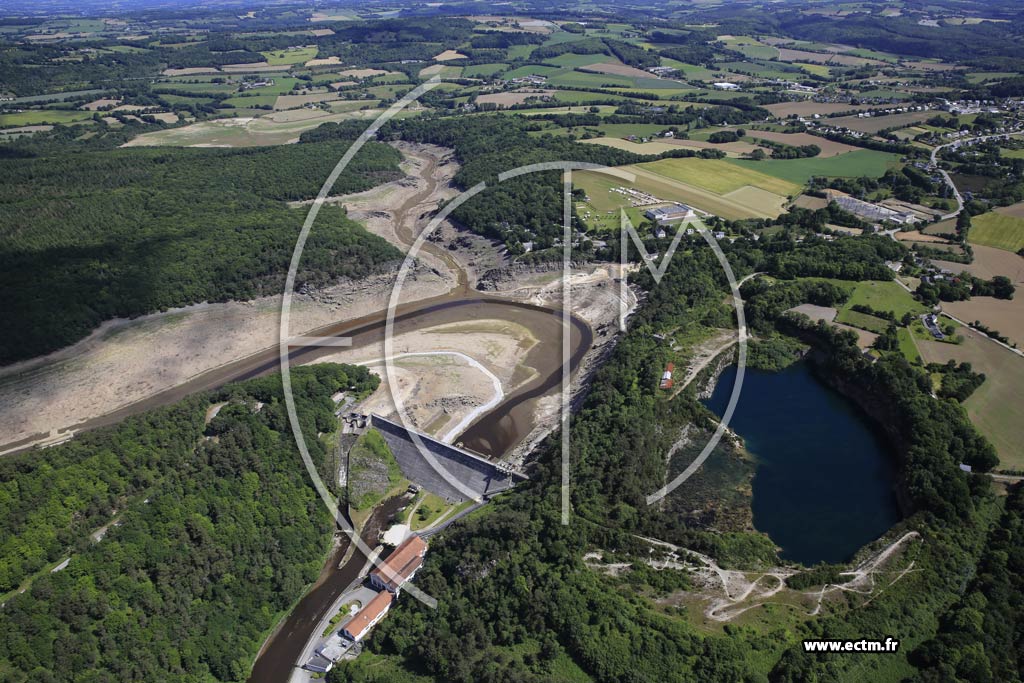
{"x": 578, "y": 79}
{"x": 300, "y": 56}
{"x": 693, "y": 71}
{"x": 32, "y": 117}
{"x": 483, "y": 70}
{"x": 746, "y": 202}
{"x": 908, "y": 347}
{"x": 573, "y": 60}
{"x": 197, "y": 88}
{"x": 862, "y": 320}
{"x": 183, "y": 99}
{"x": 750, "y": 47}
{"x": 719, "y": 175}
{"x": 998, "y": 230}
{"x": 534, "y": 70}
{"x": 243, "y": 102}
{"x": 884, "y": 296}
{"x": 982, "y": 76}
{"x": 583, "y": 96}
{"x": 815, "y": 69}
{"x": 862, "y": 162}
{"x": 520, "y": 51}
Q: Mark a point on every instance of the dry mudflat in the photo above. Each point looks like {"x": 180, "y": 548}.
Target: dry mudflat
{"x": 125, "y": 361}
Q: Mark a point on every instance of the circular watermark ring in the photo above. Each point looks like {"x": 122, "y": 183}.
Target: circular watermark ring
{"x": 566, "y": 167}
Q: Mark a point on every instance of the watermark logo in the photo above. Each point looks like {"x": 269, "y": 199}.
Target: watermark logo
{"x": 566, "y": 168}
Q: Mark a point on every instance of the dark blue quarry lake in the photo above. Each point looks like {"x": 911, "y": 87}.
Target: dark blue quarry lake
{"x": 824, "y": 483}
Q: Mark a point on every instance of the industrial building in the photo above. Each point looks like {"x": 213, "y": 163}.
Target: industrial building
{"x": 400, "y": 566}
{"x": 359, "y": 625}
{"x": 670, "y": 213}
{"x": 869, "y": 211}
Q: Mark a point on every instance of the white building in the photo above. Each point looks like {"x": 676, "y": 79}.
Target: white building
{"x": 670, "y": 213}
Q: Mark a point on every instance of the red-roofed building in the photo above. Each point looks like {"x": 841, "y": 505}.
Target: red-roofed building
{"x": 359, "y": 625}
{"x": 400, "y": 566}
{"x": 666, "y": 377}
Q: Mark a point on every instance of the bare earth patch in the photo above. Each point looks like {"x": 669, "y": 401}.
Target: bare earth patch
{"x": 988, "y": 262}
{"x": 449, "y": 55}
{"x": 293, "y": 101}
{"x": 190, "y": 71}
{"x": 806, "y": 201}
{"x": 1015, "y": 210}
{"x": 324, "y": 61}
{"x": 1004, "y": 315}
{"x": 435, "y": 379}
{"x": 125, "y": 361}
{"x": 916, "y": 236}
{"x": 362, "y": 73}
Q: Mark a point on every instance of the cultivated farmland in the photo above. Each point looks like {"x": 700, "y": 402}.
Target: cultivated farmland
{"x": 789, "y": 55}
{"x": 863, "y": 162}
{"x": 1002, "y": 228}
{"x": 873, "y": 124}
{"x": 718, "y": 176}
{"x": 617, "y": 69}
{"x": 988, "y": 262}
{"x": 828, "y": 147}
{"x": 808, "y": 108}
{"x": 997, "y": 406}
{"x": 884, "y": 295}
{"x": 735, "y": 205}
{"x": 507, "y": 99}
{"x": 32, "y": 117}
{"x": 294, "y": 56}
{"x": 1006, "y": 316}
{"x": 277, "y": 129}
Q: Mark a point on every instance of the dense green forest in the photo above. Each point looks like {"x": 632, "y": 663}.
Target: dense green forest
{"x": 217, "y": 531}
{"x": 981, "y": 638}
{"x": 92, "y": 236}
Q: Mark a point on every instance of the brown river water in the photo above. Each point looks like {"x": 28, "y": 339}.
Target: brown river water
{"x": 492, "y": 435}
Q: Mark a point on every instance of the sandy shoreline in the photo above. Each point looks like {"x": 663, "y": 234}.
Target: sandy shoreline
{"x": 127, "y": 361}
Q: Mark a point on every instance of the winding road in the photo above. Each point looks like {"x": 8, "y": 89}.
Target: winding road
{"x": 945, "y": 175}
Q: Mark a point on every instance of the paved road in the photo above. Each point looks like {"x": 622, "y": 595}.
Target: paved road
{"x": 427, "y": 533}
{"x": 949, "y": 181}
{"x": 356, "y": 593}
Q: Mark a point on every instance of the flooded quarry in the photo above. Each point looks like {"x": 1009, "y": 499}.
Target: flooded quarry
{"x": 824, "y": 482}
